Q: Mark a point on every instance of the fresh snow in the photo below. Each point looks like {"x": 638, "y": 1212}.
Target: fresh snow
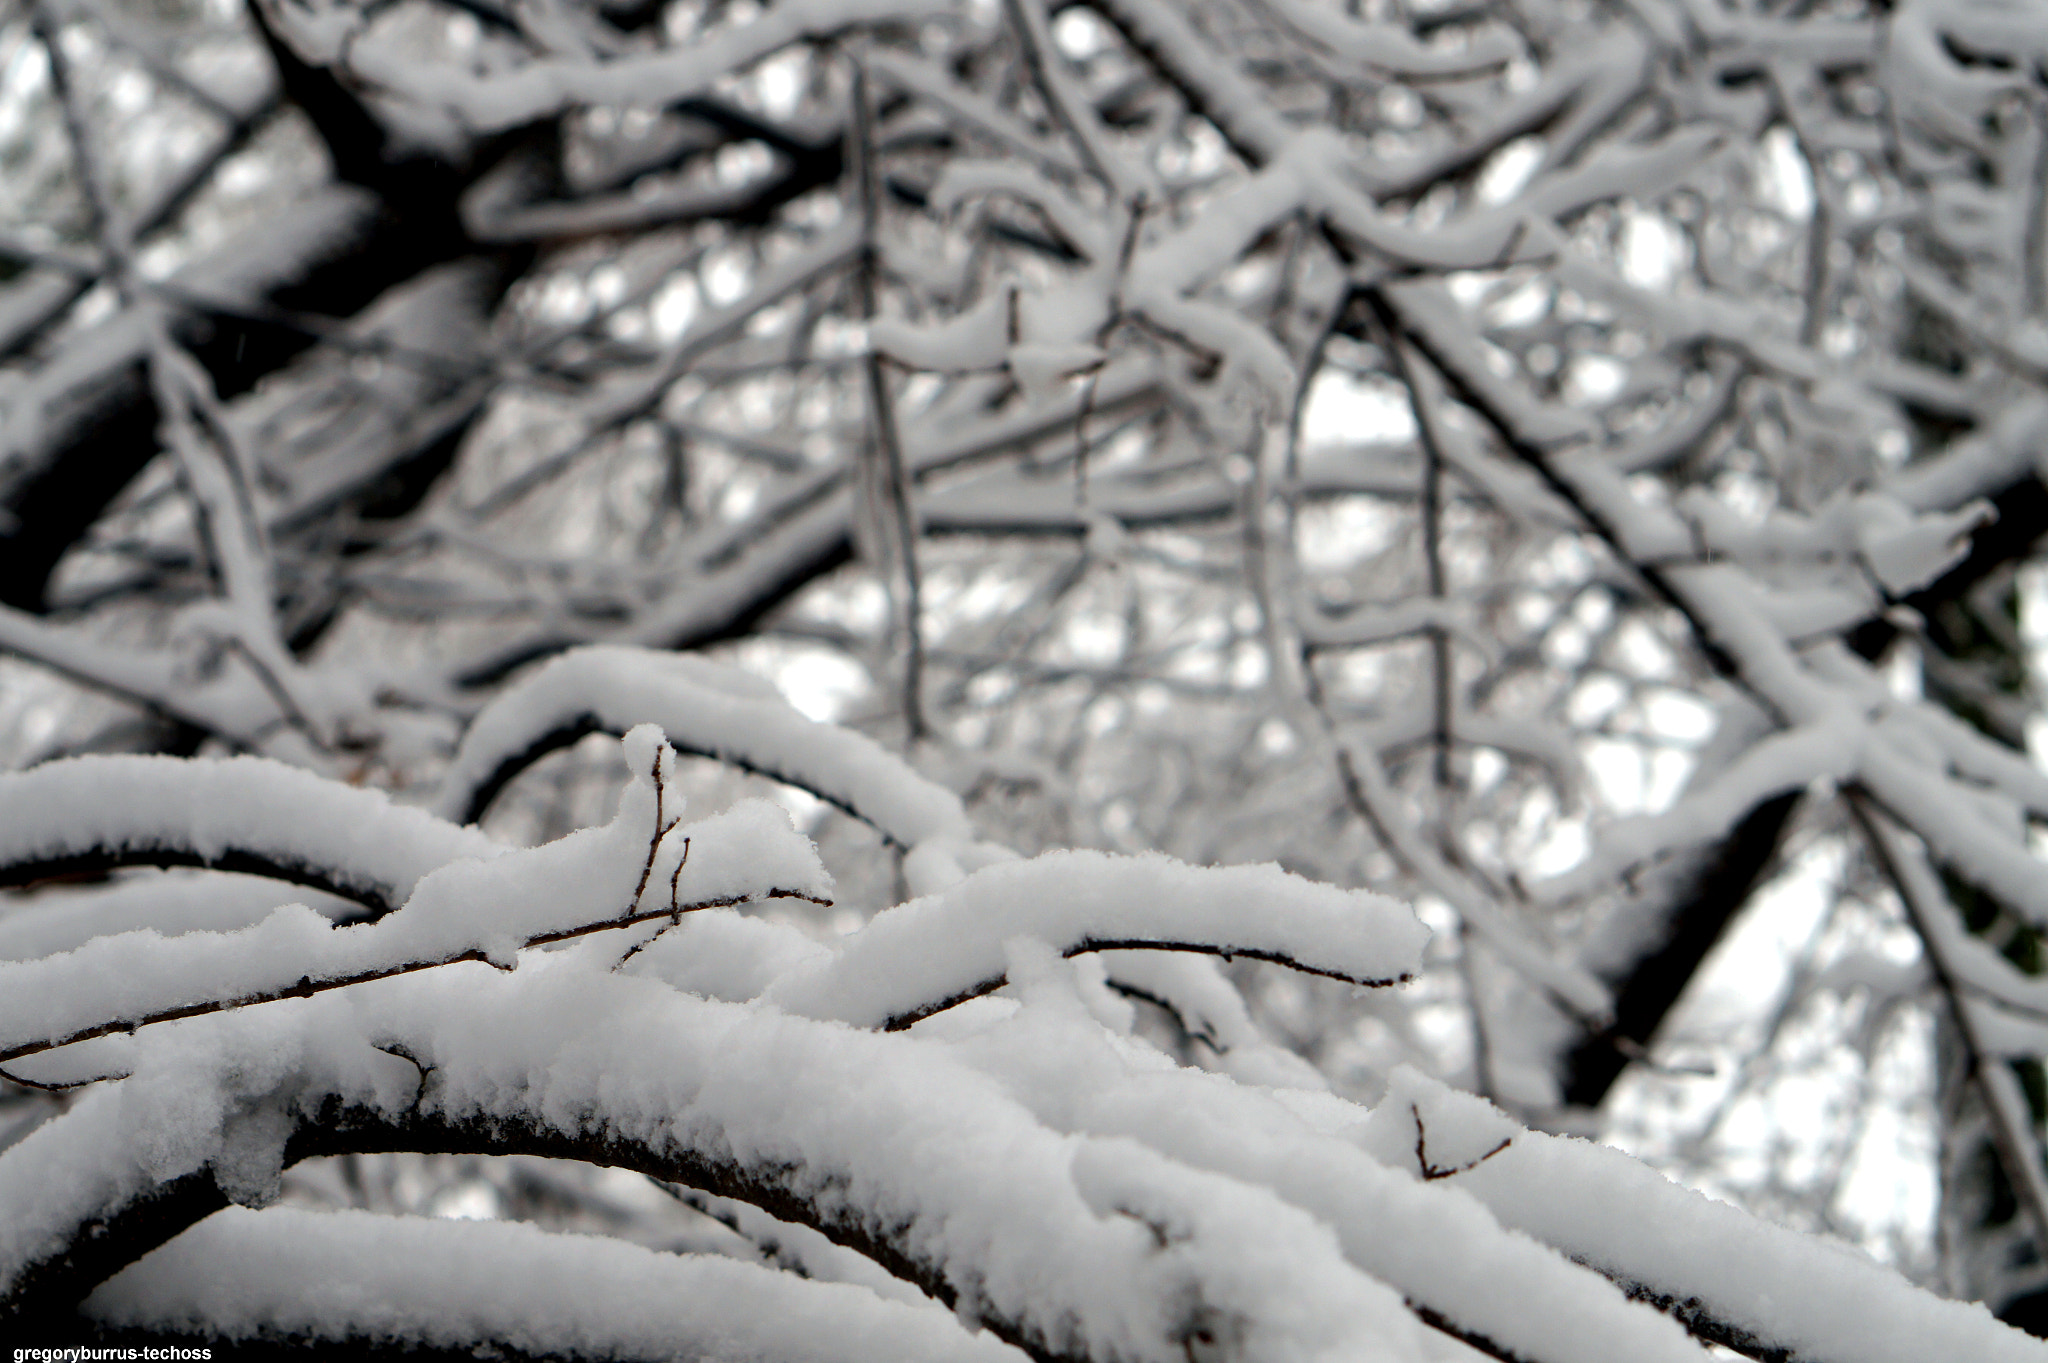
{"x": 918, "y": 957}
{"x": 708, "y": 708}
{"x": 490, "y": 909}
{"x": 343, "y": 1276}
{"x": 353, "y": 840}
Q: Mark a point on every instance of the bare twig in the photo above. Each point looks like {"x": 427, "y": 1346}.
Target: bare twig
{"x": 307, "y": 986}
{"x": 1432, "y": 1172}
{"x": 893, "y": 474}
{"x": 897, "y": 1022}
{"x": 1027, "y": 23}
{"x": 1431, "y": 440}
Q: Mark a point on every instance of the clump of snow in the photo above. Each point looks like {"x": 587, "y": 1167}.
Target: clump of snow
{"x": 207, "y": 1096}
{"x": 721, "y": 954}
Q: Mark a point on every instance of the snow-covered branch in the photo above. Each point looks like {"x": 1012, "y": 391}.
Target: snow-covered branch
{"x": 704, "y": 708}
{"x": 1088, "y": 901}
{"x": 481, "y": 909}
{"x": 346, "y": 1279}
{"x": 247, "y": 814}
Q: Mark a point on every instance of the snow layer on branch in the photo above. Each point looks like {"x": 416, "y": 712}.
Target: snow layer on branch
{"x": 469, "y": 908}
{"x": 709, "y": 708}
{"x": 891, "y": 1137}
{"x": 1949, "y": 817}
{"x": 1209, "y": 1009}
{"x": 1392, "y": 48}
{"x": 410, "y": 1280}
{"x": 494, "y": 101}
{"x": 1785, "y": 761}
{"x": 1947, "y": 742}
{"x": 1901, "y": 548}
{"x": 1065, "y": 1185}
{"x": 930, "y": 953}
{"x": 172, "y": 902}
{"x": 1983, "y": 462}
{"x": 721, "y": 954}
{"x": 1816, "y": 1297}
{"x": 234, "y": 275}
{"x": 352, "y": 840}
{"x": 1427, "y": 1239}
{"x": 214, "y": 1094}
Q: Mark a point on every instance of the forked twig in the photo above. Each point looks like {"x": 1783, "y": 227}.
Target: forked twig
{"x": 1431, "y": 1172}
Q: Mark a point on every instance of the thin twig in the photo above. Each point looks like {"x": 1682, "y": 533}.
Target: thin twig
{"x": 307, "y": 986}
{"x": 888, "y": 445}
{"x": 1027, "y": 22}
{"x": 896, "y": 1022}
{"x": 2012, "y": 1130}
{"x": 1428, "y": 436}
{"x": 101, "y": 220}
{"x": 1134, "y": 219}
{"x": 1432, "y": 1172}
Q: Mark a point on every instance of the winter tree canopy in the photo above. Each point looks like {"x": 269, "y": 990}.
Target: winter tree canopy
{"x": 973, "y": 679}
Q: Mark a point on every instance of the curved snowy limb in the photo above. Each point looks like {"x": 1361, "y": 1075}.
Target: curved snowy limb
{"x": 1425, "y": 1237}
{"x": 1762, "y": 1289}
{"x": 723, "y": 954}
{"x": 333, "y": 1279}
{"x": 930, "y": 954}
{"x": 1069, "y": 1247}
{"x": 243, "y": 814}
{"x": 547, "y": 86}
{"x": 175, "y": 902}
{"x": 1984, "y": 1030}
{"x": 1787, "y": 761}
{"x": 636, "y": 868}
{"x": 233, "y": 707}
{"x": 1026, "y": 1168}
{"x": 706, "y": 708}
{"x": 1949, "y": 817}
